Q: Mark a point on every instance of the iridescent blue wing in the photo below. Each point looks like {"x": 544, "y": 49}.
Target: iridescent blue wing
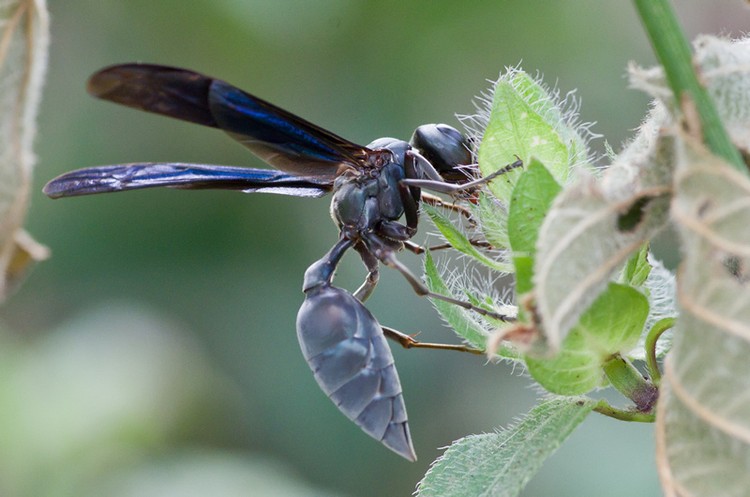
{"x": 279, "y": 138}
{"x": 124, "y": 177}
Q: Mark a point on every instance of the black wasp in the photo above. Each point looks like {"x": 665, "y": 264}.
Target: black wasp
{"x": 372, "y": 186}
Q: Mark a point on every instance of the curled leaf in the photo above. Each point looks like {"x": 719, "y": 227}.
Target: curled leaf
{"x": 595, "y": 225}
{"x": 637, "y": 269}
{"x": 23, "y": 57}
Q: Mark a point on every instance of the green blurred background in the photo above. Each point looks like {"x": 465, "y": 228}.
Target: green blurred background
{"x": 155, "y": 353}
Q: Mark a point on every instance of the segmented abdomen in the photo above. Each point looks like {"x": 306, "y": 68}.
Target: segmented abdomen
{"x": 346, "y": 350}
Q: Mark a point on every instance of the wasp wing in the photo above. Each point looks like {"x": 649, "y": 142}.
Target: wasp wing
{"x": 124, "y": 177}
{"x": 281, "y": 139}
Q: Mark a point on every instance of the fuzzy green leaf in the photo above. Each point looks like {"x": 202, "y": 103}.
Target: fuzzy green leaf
{"x": 493, "y": 220}
{"x": 501, "y": 464}
{"x": 524, "y": 273}
{"x": 531, "y": 199}
{"x": 636, "y": 270}
{"x": 463, "y": 322}
{"x": 459, "y": 241}
{"x": 526, "y": 121}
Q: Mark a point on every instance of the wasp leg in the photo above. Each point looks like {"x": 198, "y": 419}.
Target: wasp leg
{"x": 408, "y": 342}
{"x": 428, "y": 198}
{"x": 387, "y": 256}
{"x": 373, "y": 272}
{"x": 450, "y": 188}
{"x": 418, "y": 249}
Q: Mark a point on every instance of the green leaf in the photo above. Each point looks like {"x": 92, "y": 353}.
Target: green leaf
{"x": 531, "y": 199}
{"x": 612, "y": 324}
{"x": 462, "y": 321}
{"x": 524, "y": 274}
{"x": 501, "y": 464}
{"x": 459, "y": 241}
{"x": 636, "y": 270}
{"x": 493, "y": 220}
{"x": 526, "y": 121}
